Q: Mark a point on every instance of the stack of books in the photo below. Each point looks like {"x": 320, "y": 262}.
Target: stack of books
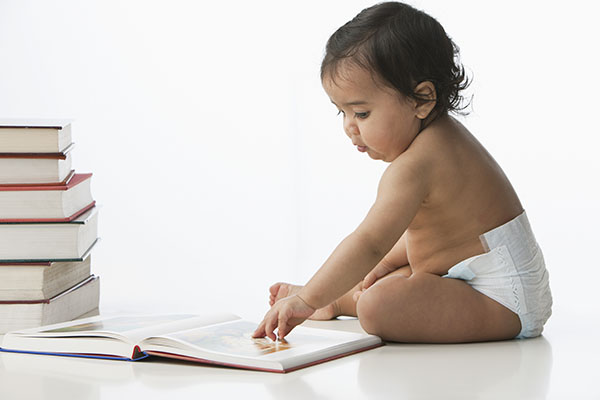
{"x": 48, "y": 227}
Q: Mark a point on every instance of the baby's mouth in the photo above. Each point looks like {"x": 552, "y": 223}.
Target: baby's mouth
{"x": 362, "y": 149}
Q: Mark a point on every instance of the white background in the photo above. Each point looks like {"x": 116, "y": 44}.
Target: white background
{"x": 221, "y": 164}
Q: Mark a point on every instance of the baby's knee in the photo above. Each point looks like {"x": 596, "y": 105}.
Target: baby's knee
{"x": 373, "y": 305}
{"x": 366, "y": 311}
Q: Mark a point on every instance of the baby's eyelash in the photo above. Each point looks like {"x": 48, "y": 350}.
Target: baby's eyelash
{"x": 360, "y": 115}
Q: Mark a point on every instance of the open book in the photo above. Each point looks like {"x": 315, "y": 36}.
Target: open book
{"x": 222, "y": 339}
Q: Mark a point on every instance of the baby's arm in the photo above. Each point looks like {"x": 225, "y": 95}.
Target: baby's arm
{"x": 402, "y": 189}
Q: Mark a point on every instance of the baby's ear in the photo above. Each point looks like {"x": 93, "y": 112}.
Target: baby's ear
{"x": 427, "y": 98}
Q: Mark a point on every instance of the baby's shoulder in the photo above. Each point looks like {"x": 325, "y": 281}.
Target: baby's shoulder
{"x": 443, "y": 152}
{"x": 445, "y": 142}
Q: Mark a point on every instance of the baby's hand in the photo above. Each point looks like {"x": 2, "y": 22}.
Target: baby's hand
{"x": 284, "y": 315}
{"x": 380, "y": 270}
{"x": 383, "y": 269}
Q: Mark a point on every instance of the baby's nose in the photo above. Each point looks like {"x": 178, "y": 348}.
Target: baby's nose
{"x": 351, "y": 129}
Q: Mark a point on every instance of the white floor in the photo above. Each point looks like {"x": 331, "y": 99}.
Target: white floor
{"x": 562, "y": 364}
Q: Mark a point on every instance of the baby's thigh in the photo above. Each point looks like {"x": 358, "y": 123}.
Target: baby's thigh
{"x": 428, "y": 308}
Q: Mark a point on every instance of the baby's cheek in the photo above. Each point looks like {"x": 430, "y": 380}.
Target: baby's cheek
{"x": 374, "y": 142}
{"x": 368, "y": 138}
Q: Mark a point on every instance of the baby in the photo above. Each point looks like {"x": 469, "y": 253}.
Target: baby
{"x": 446, "y": 253}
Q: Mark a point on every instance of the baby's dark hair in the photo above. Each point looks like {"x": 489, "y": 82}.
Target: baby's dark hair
{"x": 403, "y": 47}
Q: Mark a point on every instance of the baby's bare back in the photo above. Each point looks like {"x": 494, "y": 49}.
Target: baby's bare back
{"x": 469, "y": 195}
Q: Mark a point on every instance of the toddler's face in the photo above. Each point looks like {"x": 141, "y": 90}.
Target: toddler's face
{"x": 377, "y": 119}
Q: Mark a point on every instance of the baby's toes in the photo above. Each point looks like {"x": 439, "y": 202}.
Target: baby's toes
{"x": 357, "y": 295}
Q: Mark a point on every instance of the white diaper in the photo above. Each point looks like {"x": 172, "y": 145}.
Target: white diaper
{"x": 512, "y": 272}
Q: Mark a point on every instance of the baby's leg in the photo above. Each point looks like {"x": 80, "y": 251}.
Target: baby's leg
{"x": 429, "y": 308}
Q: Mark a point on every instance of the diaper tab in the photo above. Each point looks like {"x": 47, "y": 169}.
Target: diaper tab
{"x": 495, "y": 275}
{"x": 461, "y": 271}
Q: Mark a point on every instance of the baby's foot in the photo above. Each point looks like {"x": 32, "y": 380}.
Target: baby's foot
{"x": 281, "y": 290}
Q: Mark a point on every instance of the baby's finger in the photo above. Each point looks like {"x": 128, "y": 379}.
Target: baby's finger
{"x": 369, "y": 280}
{"x": 357, "y": 295}
{"x": 274, "y": 289}
{"x": 270, "y": 325}
{"x": 260, "y": 331}
{"x": 283, "y": 328}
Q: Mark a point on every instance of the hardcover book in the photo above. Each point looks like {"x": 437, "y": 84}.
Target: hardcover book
{"x": 35, "y": 167}
{"x": 34, "y": 136}
{"x": 44, "y": 280}
{"x": 220, "y": 339}
{"x": 49, "y": 241}
{"x": 61, "y": 202}
{"x": 69, "y": 304}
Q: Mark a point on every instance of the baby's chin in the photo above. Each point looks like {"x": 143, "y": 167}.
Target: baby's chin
{"x": 375, "y": 155}
{"x": 382, "y": 157}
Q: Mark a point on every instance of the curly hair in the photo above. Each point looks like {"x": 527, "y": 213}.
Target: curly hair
{"x": 403, "y": 47}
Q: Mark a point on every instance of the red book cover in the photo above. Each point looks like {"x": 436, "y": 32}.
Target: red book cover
{"x": 64, "y": 182}
{"x": 59, "y": 156}
{"x": 38, "y": 220}
{"x": 68, "y": 183}
{"x": 41, "y": 264}
{"x": 282, "y": 371}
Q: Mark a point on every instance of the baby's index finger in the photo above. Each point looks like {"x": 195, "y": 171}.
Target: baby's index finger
{"x": 257, "y": 335}
{"x": 260, "y": 331}
{"x": 270, "y": 330}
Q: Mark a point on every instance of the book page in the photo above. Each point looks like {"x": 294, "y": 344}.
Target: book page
{"x": 130, "y": 327}
{"x": 235, "y": 339}
{"x": 230, "y": 338}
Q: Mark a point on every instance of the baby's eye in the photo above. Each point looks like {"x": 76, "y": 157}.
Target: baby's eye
{"x": 361, "y": 115}
{"x": 341, "y": 112}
